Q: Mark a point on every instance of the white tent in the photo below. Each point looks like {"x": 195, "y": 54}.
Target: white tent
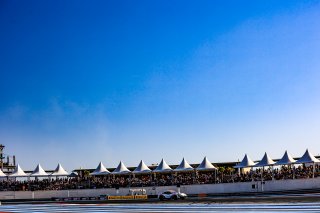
{"x": 38, "y": 172}
{"x": 59, "y": 171}
{"x": 100, "y": 170}
{"x": 246, "y": 162}
{"x": 184, "y": 166}
{"x": 142, "y": 168}
{"x": 286, "y": 159}
{"x": 206, "y": 165}
{"x": 162, "y": 167}
{"x": 265, "y": 161}
{"x": 18, "y": 172}
{"x": 121, "y": 169}
{"x": 307, "y": 158}
{"x": 2, "y": 174}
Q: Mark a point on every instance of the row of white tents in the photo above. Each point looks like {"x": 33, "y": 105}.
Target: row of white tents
{"x": 205, "y": 165}
{"x": 38, "y": 172}
{"x": 142, "y": 168}
{"x": 286, "y": 159}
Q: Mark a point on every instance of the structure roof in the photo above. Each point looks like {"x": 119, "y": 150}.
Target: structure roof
{"x": 265, "y": 161}
{"x": 121, "y": 169}
{"x": 246, "y": 162}
{"x": 59, "y": 171}
{"x": 39, "y": 172}
{"x": 184, "y": 166}
{"x": 307, "y": 158}
{"x": 73, "y": 174}
{"x": 18, "y": 172}
{"x": 162, "y": 167}
{"x": 100, "y": 170}
{"x": 206, "y": 165}
{"x": 142, "y": 168}
{"x": 2, "y": 174}
{"x": 286, "y": 159}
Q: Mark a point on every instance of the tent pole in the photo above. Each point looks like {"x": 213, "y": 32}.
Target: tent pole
{"x": 293, "y": 171}
{"x": 313, "y": 169}
{"x": 262, "y": 179}
{"x": 215, "y": 176}
{"x": 232, "y": 176}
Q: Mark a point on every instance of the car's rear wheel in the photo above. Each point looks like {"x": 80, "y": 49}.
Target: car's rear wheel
{"x": 161, "y": 197}
{"x": 175, "y": 197}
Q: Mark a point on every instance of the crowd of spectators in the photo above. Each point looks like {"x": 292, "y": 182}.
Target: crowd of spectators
{"x": 222, "y": 175}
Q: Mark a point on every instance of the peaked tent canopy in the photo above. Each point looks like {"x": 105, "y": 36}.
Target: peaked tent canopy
{"x": 2, "y": 174}
{"x": 142, "y": 168}
{"x": 39, "y": 172}
{"x": 286, "y": 159}
{"x": 59, "y": 171}
{"x": 162, "y": 167}
{"x": 184, "y": 166}
{"x": 246, "y": 162}
{"x": 100, "y": 170}
{"x": 265, "y": 161}
{"x": 121, "y": 169}
{"x": 308, "y": 158}
{"x": 18, "y": 172}
{"x": 206, "y": 165}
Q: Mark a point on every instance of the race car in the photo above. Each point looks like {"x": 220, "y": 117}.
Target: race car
{"x": 172, "y": 195}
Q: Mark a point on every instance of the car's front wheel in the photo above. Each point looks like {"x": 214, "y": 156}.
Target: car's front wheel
{"x": 161, "y": 197}
{"x": 174, "y": 197}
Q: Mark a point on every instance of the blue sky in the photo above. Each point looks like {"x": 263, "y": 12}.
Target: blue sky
{"x": 89, "y": 81}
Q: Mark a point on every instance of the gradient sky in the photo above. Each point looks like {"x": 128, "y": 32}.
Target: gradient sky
{"x": 89, "y": 81}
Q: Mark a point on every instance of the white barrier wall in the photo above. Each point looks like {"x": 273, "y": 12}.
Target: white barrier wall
{"x": 278, "y": 185}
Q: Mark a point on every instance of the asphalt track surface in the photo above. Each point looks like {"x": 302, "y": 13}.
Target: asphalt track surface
{"x": 185, "y": 207}
{"x": 258, "y": 203}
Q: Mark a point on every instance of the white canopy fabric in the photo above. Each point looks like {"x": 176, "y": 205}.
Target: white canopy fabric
{"x": 2, "y": 174}
{"x": 59, "y": 171}
{"x": 206, "y": 165}
{"x": 39, "y": 172}
{"x": 100, "y": 170}
{"x": 286, "y": 159}
{"x": 246, "y": 162}
{"x": 18, "y": 172}
{"x": 142, "y": 168}
{"x": 184, "y": 166}
{"x": 265, "y": 161}
{"x": 307, "y": 158}
{"x": 162, "y": 167}
{"x": 121, "y": 169}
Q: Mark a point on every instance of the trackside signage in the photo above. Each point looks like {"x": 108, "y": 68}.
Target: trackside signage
{"x": 128, "y": 197}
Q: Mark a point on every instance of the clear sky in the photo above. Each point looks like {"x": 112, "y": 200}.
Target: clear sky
{"x": 89, "y": 81}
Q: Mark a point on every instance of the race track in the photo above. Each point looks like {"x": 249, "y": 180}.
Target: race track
{"x": 66, "y": 208}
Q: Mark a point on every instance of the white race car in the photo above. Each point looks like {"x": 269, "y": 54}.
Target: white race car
{"x": 172, "y": 195}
